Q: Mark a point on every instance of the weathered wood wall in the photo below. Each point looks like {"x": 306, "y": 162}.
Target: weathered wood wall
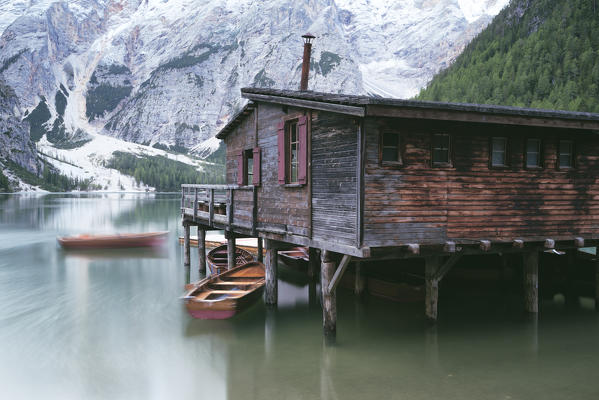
{"x": 417, "y": 203}
{"x": 334, "y": 177}
{"x": 280, "y": 208}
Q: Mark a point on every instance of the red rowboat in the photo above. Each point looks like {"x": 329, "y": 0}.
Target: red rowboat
{"x": 296, "y": 258}
{"x": 224, "y": 295}
{"x": 86, "y": 241}
{"x": 218, "y": 258}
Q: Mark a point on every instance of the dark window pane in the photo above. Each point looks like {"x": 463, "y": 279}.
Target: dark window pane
{"x": 390, "y": 139}
{"x": 532, "y": 160}
{"x": 440, "y": 156}
{"x": 390, "y": 154}
{"x": 441, "y": 141}
{"x": 498, "y": 150}
{"x": 498, "y": 158}
{"x": 565, "y": 147}
{"x": 565, "y": 160}
{"x": 533, "y": 145}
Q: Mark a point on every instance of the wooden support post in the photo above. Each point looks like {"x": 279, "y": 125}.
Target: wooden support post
{"x": 329, "y": 299}
{"x": 518, "y": 243}
{"x": 360, "y": 282}
{"x": 449, "y": 247}
{"x": 596, "y": 282}
{"x": 186, "y": 245}
{"x": 271, "y": 285}
{"x": 549, "y": 244}
{"x": 531, "y": 281}
{"x": 431, "y": 267}
{"x": 571, "y": 294}
{"x": 485, "y": 245}
{"x": 313, "y": 262}
{"x": 260, "y": 250}
{"x": 201, "y": 250}
{"x": 579, "y": 242}
{"x": 414, "y": 249}
{"x": 230, "y": 250}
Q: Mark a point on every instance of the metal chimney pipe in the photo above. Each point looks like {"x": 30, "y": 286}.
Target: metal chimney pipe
{"x": 306, "y": 63}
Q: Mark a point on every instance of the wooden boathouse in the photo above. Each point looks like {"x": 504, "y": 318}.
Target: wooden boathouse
{"x": 371, "y": 178}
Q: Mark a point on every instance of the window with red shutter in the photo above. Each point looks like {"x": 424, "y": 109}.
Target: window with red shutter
{"x": 302, "y": 170}
{"x": 281, "y": 145}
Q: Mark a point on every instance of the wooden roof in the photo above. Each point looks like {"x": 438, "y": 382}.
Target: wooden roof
{"x": 364, "y": 106}
{"x": 235, "y": 120}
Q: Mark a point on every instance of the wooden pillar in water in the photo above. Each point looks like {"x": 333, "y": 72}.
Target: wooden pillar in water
{"x": 360, "y": 283}
{"x": 531, "y": 281}
{"x": 313, "y": 261}
{"x": 596, "y": 281}
{"x": 186, "y": 245}
{"x": 260, "y": 250}
{"x": 329, "y": 301}
{"x": 271, "y": 284}
{"x": 431, "y": 266}
{"x": 201, "y": 250}
{"x": 230, "y": 250}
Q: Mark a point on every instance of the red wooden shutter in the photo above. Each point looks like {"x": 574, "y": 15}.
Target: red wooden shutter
{"x": 240, "y": 169}
{"x": 302, "y": 170}
{"x": 281, "y": 142}
{"x": 256, "y": 177}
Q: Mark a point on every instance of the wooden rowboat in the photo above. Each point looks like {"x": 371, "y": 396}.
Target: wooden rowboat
{"x": 224, "y": 295}
{"x": 296, "y": 258}
{"x": 217, "y": 258}
{"x": 86, "y": 241}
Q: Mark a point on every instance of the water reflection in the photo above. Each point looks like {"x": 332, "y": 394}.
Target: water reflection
{"x": 106, "y": 324}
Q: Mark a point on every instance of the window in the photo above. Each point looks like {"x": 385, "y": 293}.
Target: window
{"x": 292, "y": 152}
{"x": 566, "y": 154}
{"x": 390, "y": 152}
{"x": 533, "y": 153}
{"x": 248, "y": 167}
{"x": 498, "y": 152}
{"x": 441, "y": 150}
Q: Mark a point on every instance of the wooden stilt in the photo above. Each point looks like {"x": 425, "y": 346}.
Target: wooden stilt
{"x": 570, "y": 292}
{"x": 596, "y": 281}
{"x": 230, "y": 251}
{"x": 360, "y": 282}
{"x": 313, "y": 262}
{"x": 186, "y": 245}
{"x": 260, "y": 250}
{"x": 271, "y": 285}
{"x": 431, "y": 267}
{"x": 531, "y": 281}
{"x": 202, "y": 250}
{"x": 505, "y": 272}
{"x": 329, "y": 302}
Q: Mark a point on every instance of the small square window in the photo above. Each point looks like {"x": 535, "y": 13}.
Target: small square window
{"x": 249, "y": 166}
{"x": 390, "y": 148}
{"x": 566, "y": 154}
{"x": 441, "y": 150}
{"x": 533, "y": 153}
{"x": 499, "y": 152}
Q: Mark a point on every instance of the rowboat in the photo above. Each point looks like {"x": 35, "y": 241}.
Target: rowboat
{"x": 296, "y": 258}
{"x": 217, "y": 258}
{"x": 224, "y": 295}
{"x": 86, "y": 241}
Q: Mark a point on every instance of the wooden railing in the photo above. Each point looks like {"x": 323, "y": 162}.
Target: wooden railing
{"x": 217, "y": 204}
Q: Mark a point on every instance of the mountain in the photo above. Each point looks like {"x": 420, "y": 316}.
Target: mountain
{"x": 167, "y": 74}
{"x": 535, "y": 53}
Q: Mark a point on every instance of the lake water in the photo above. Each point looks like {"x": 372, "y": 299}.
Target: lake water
{"x": 109, "y": 325}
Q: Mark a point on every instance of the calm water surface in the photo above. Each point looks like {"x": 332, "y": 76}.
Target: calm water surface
{"x": 109, "y": 325}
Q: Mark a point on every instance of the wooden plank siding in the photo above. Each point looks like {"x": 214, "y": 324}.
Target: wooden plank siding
{"x": 334, "y": 177}
{"x": 280, "y": 208}
{"x": 417, "y": 203}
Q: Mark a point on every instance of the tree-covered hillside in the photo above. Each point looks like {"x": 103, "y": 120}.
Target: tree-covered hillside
{"x": 535, "y": 53}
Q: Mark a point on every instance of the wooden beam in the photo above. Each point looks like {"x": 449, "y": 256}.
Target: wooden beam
{"x": 329, "y": 299}
{"x": 210, "y": 206}
{"x": 271, "y": 284}
{"x": 313, "y": 261}
{"x": 260, "y": 249}
{"x": 579, "y": 242}
{"x": 339, "y": 272}
{"x": 444, "y": 269}
{"x": 549, "y": 244}
{"x": 431, "y": 267}
{"x": 360, "y": 282}
{"x": 449, "y": 247}
{"x": 413, "y": 249}
{"x": 518, "y": 243}
{"x": 485, "y": 245}
{"x": 202, "y": 250}
{"x": 300, "y": 103}
{"x": 596, "y": 282}
{"x": 230, "y": 251}
{"x": 531, "y": 281}
{"x": 186, "y": 245}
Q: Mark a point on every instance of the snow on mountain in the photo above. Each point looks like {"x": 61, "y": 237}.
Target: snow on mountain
{"x": 168, "y": 72}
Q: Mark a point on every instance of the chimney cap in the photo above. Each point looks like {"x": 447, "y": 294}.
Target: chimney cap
{"x": 308, "y": 37}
